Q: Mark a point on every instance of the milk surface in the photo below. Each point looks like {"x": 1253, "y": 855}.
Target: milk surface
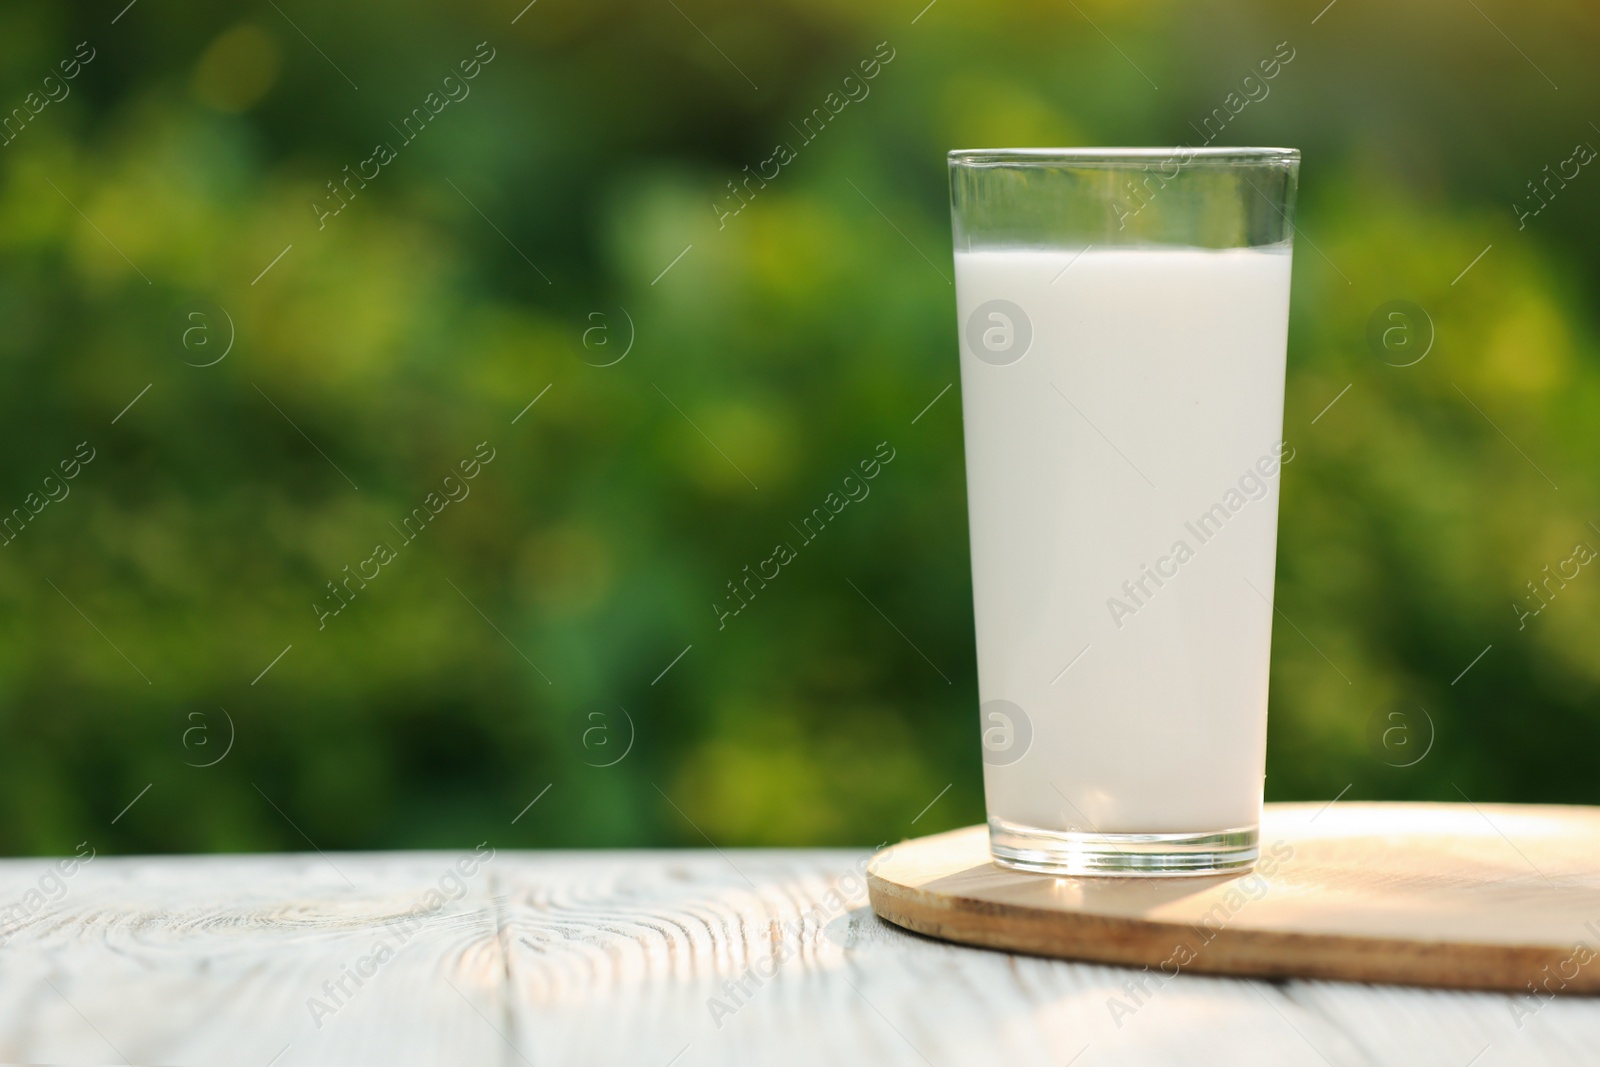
{"x": 1122, "y": 478}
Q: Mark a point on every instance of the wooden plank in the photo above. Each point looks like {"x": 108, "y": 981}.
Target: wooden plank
{"x": 220, "y": 960}
{"x": 628, "y": 957}
{"x": 1452, "y": 895}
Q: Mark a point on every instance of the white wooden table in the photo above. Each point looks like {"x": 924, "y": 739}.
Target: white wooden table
{"x": 637, "y": 958}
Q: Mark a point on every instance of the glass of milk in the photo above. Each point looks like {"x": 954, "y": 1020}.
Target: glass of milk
{"x": 1123, "y": 315}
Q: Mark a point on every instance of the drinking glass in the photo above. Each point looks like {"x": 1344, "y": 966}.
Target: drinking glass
{"x": 1123, "y": 317}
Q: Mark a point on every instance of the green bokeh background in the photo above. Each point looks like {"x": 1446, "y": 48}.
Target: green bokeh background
{"x": 797, "y": 335}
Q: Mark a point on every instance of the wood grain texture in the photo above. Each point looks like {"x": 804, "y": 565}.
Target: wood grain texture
{"x": 1451, "y": 895}
{"x": 650, "y": 958}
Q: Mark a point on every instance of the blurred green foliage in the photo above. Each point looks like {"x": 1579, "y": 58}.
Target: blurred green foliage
{"x": 458, "y": 284}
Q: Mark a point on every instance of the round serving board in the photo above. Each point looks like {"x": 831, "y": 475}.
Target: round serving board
{"x": 1489, "y": 896}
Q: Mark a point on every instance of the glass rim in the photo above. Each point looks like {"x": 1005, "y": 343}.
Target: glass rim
{"x": 1089, "y": 157}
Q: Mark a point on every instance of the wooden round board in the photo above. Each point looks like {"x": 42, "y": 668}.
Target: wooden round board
{"x": 1490, "y": 896}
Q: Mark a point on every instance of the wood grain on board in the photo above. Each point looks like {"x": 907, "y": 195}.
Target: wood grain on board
{"x": 1450, "y": 895}
{"x": 684, "y": 958}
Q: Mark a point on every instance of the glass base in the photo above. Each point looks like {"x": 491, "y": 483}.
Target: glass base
{"x": 1071, "y": 852}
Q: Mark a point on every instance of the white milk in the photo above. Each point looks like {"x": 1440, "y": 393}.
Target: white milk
{"x": 1151, "y": 386}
